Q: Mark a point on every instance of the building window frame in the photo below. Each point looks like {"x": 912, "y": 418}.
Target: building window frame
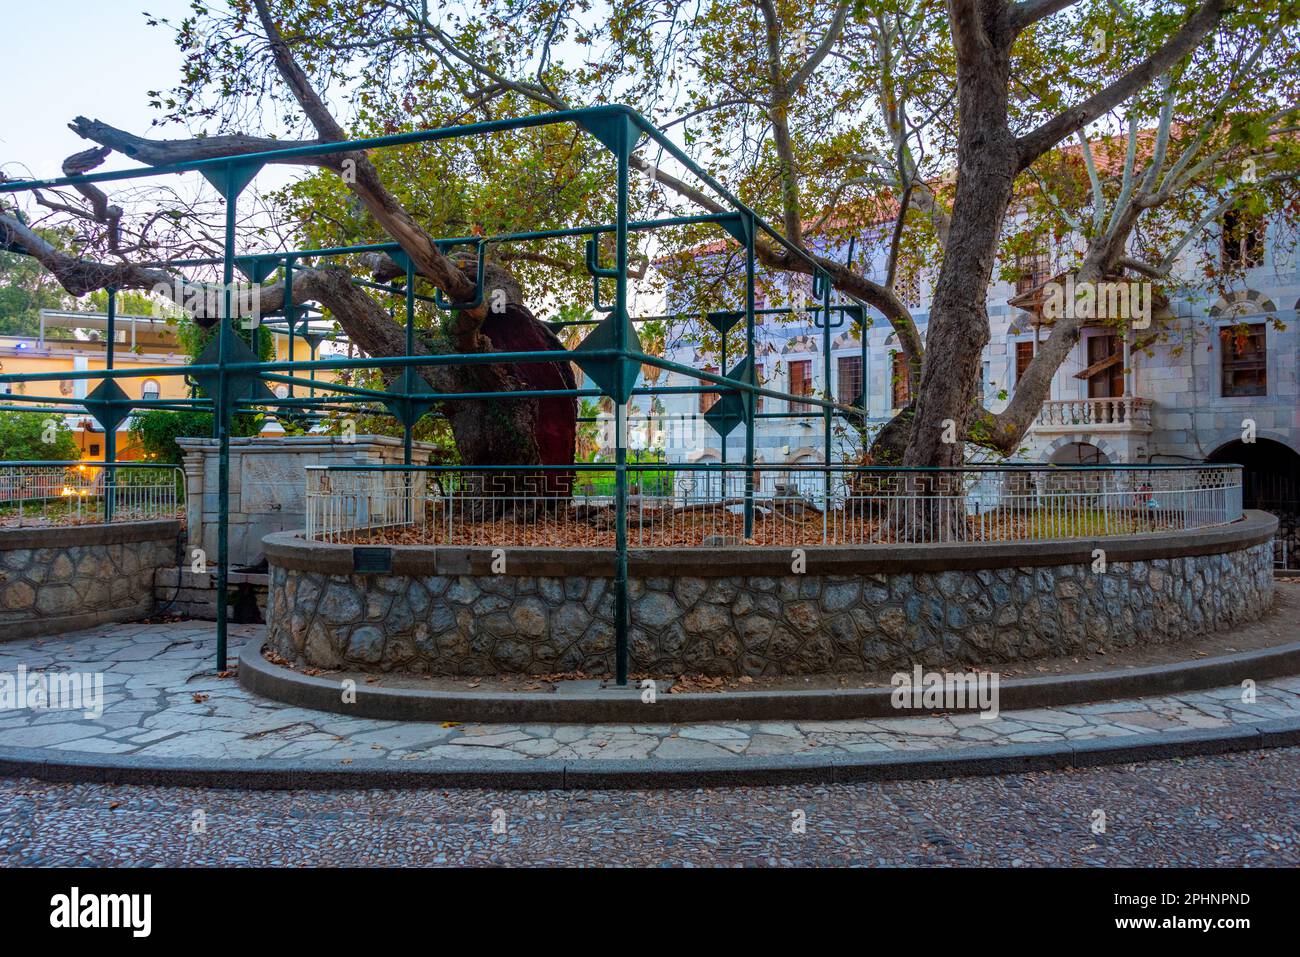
{"x": 1248, "y": 361}
{"x": 1242, "y": 240}
{"x": 805, "y": 383}
{"x": 707, "y": 399}
{"x": 856, "y": 377}
{"x": 907, "y": 283}
{"x": 900, "y": 379}
{"x": 1018, "y": 353}
{"x": 1033, "y": 269}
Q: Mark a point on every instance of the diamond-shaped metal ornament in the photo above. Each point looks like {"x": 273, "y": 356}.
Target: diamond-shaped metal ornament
{"x": 615, "y": 376}
{"x": 724, "y": 319}
{"x": 409, "y": 411}
{"x": 257, "y": 268}
{"x": 735, "y": 407}
{"x": 241, "y": 386}
{"x": 243, "y": 173}
{"x": 109, "y": 417}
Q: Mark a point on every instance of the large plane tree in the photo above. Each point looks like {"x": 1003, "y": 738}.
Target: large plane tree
{"x": 956, "y": 134}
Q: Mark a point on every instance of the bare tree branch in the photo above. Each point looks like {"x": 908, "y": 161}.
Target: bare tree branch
{"x": 819, "y": 54}
{"x": 778, "y": 112}
{"x": 77, "y": 276}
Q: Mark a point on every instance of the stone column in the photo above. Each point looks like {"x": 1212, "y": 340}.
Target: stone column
{"x": 193, "y": 464}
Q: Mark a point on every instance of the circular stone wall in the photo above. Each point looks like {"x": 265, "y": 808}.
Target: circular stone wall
{"x": 732, "y": 611}
{"x": 63, "y": 577}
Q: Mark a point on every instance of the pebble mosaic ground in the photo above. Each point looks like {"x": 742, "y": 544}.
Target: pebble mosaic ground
{"x": 1240, "y": 809}
{"x": 164, "y": 700}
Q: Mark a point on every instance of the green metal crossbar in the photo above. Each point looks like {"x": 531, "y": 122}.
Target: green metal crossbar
{"x": 611, "y": 355}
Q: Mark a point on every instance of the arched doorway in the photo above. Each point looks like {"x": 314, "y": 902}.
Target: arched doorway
{"x": 1270, "y": 481}
{"x": 1079, "y": 453}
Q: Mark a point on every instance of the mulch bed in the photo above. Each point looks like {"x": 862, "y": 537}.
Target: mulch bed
{"x": 785, "y": 524}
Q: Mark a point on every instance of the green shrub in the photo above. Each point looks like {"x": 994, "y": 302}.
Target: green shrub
{"x": 23, "y": 437}
{"x": 158, "y": 429}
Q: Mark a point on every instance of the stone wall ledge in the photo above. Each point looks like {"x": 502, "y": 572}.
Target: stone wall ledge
{"x": 57, "y": 578}
{"x": 289, "y": 550}
{"x": 62, "y": 536}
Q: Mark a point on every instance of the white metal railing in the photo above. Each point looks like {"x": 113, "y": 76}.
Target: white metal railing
{"x": 790, "y": 506}
{"x": 1127, "y": 412}
{"x": 363, "y": 503}
{"x": 80, "y": 493}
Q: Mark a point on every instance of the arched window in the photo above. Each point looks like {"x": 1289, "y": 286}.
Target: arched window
{"x": 150, "y": 389}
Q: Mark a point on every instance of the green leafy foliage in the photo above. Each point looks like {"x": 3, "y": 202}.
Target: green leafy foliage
{"x": 23, "y": 438}
{"x": 158, "y": 429}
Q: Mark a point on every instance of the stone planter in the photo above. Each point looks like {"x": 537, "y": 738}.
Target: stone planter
{"x": 268, "y": 484}
{"x": 731, "y": 611}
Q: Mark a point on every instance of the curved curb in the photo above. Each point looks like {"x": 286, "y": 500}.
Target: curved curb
{"x": 260, "y": 677}
{"x": 544, "y": 774}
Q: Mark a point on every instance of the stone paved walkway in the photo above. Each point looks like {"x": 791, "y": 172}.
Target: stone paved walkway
{"x": 164, "y": 699}
{"x": 1225, "y": 810}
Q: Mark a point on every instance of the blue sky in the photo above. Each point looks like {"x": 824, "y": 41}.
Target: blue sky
{"x": 66, "y": 58}
{"x": 94, "y": 58}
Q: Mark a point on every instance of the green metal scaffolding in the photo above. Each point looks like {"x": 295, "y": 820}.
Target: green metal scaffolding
{"x": 610, "y": 355}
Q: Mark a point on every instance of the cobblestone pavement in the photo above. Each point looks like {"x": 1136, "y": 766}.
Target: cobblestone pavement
{"x": 1241, "y": 809}
{"x": 163, "y": 699}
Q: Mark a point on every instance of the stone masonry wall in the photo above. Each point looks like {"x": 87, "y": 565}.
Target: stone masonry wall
{"x": 179, "y": 591}
{"x": 787, "y": 625}
{"x": 63, "y": 578}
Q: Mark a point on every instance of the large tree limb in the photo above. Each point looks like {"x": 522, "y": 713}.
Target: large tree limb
{"x": 778, "y": 110}
{"x": 1041, "y": 139}
{"x": 77, "y": 276}
{"x": 1028, "y": 12}
{"x": 165, "y": 152}
{"x": 366, "y": 184}
{"x": 366, "y": 322}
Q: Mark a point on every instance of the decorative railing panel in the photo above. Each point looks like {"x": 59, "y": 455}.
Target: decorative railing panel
{"x": 80, "y": 493}
{"x": 729, "y": 505}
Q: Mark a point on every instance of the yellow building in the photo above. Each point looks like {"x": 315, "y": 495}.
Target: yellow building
{"x": 75, "y": 342}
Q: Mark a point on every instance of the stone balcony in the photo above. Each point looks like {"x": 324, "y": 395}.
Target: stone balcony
{"x": 1125, "y": 414}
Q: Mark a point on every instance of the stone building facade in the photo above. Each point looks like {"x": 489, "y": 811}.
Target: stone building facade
{"x": 1223, "y": 368}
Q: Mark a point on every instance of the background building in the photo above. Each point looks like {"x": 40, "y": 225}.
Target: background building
{"x": 75, "y": 342}
{"x": 1219, "y": 366}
